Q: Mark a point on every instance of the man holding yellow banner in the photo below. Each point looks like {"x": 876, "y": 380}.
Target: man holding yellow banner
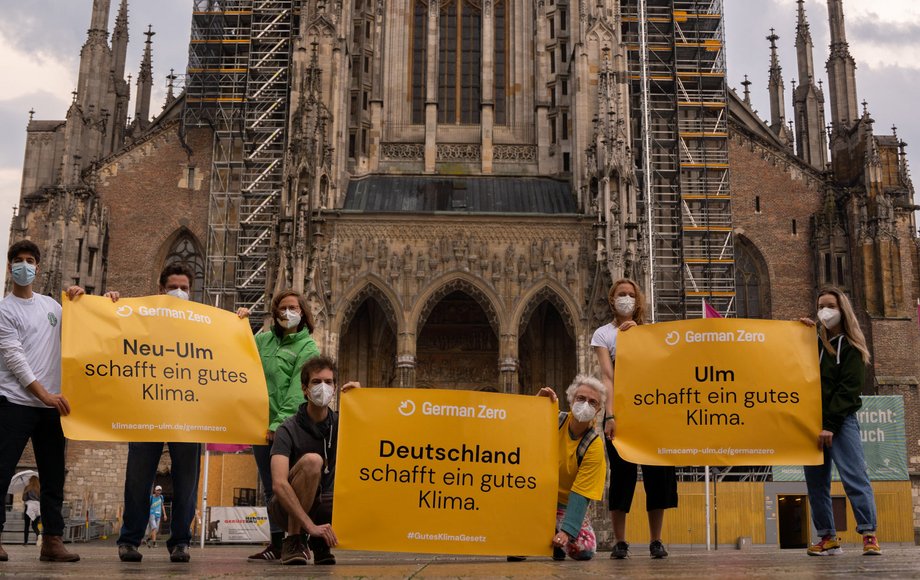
{"x": 161, "y": 369}
{"x": 31, "y": 401}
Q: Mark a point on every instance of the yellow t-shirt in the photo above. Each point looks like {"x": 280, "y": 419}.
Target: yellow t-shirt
{"x": 587, "y": 480}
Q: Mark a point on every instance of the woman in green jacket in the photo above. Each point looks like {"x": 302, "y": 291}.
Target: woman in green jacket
{"x": 283, "y": 351}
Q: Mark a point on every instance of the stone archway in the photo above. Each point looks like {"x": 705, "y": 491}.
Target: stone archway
{"x": 367, "y": 349}
{"x": 457, "y": 346}
{"x": 546, "y": 346}
{"x": 752, "y": 281}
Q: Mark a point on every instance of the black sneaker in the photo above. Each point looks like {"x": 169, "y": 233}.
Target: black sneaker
{"x": 516, "y": 558}
{"x": 322, "y": 555}
{"x": 620, "y": 551}
{"x": 558, "y": 554}
{"x": 179, "y": 553}
{"x": 269, "y": 554}
{"x": 293, "y": 552}
{"x": 129, "y": 553}
{"x": 656, "y": 550}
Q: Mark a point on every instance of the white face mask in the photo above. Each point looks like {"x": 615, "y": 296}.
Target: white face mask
{"x": 321, "y": 394}
{"x": 625, "y": 305}
{"x": 178, "y": 293}
{"x": 829, "y": 317}
{"x": 583, "y": 412}
{"x": 289, "y": 319}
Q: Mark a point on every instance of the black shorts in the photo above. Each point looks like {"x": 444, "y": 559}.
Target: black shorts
{"x": 660, "y": 483}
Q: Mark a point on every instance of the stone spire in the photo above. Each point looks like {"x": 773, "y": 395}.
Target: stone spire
{"x": 95, "y": 61}
{"x": 100, "y": 18}
{"x": 747, "y": 90}
{"x": 170, "y": 87}
{"x": 804, "y": 47}
{"x": 120, "y": 90}
{"x": 88, "y": 116}
{"x": 808, "y": 100}
{"x": 777, "y": 92}
{"x": 120, "y": 41}
{"x": 841, "y": 71}
{"x": 145, "y": 83}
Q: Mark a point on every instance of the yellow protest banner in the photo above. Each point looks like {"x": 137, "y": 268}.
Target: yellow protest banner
{"x": 718, "y": 392}
{"x": 455, "y": 472}
{"x": 160, "y": 369}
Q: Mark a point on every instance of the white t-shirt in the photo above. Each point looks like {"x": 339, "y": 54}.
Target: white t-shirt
{"x": 606, "y": 336}
{"x": 30, "y": 347}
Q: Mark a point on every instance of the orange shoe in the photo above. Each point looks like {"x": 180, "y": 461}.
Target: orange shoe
{"x": 870, "y": 546}
{"x": 828, "y": 546}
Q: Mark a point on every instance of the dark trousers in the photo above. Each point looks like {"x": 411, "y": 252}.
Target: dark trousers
{"x": 18, "y": 423}
{"x": 25, "y": 527}
{"x": 263, "y": 457}
{"x": 143, "y": 459}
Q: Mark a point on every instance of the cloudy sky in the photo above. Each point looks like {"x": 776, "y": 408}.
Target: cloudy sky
{"x": 40, "y": 44}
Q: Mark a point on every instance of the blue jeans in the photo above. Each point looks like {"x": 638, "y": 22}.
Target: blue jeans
{"x": 143, "y": 459}
{"x": 847, "y": 454}
{"x": 263, "y": 457}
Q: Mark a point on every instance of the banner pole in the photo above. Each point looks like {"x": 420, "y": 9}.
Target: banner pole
{"x": 708, "y": 518}
{"x": 205, "y": 520}
{"x": 204, "y": 496}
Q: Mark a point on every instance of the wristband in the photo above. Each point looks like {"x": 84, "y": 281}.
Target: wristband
{"x": 608, "y": 418}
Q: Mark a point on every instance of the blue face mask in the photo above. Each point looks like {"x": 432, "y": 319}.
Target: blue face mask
{"x": 23, "y": 273}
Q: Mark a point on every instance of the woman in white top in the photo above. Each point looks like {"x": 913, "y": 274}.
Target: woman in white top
{"x": 628, "y": 304}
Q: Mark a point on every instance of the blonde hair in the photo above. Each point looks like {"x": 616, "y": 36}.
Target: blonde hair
{"x": 848, "y": 321}
{"x": 639, "y": 313}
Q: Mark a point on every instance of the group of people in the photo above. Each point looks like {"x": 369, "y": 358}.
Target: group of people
{"x": 843, "y": 357}
{"x": 297, "y": 463}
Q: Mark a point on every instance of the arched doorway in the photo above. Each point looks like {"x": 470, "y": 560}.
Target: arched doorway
{"x": 457, "y": 347}
{"x": 367, "y": 352}
{"x": 752, "y": 281}
{"x": 546, "y": 349}
{"x": 186, "y": 251}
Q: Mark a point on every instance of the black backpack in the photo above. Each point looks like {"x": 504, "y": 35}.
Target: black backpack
{"x": 586, "y": 440}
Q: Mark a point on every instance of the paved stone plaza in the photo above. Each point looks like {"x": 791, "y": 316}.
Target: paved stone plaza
{"x": 101, "y": 562}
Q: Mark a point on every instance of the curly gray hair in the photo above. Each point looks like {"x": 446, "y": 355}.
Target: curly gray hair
{"x": 587, "y": 381}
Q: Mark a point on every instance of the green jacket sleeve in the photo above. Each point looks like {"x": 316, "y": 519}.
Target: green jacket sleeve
{"x": 292, "y": 398}
{"x": 850, "y": 376}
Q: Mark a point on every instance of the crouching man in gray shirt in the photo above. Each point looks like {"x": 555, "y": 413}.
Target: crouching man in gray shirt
{"x": 303, "y": 460}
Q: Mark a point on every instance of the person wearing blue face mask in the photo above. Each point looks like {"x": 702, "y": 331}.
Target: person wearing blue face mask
{"x": 31, "y": 403}
{"x": 143, "y": 459}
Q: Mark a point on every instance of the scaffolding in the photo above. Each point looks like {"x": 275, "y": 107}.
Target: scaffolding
{"x": 238, "y": 85}
{"x": 677, "y": 85}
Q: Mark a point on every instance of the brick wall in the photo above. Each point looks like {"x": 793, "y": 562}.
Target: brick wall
{"x": 96, "y": 478}
{"x": 148, "y": 197}
{"x": 787, "y": 192}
